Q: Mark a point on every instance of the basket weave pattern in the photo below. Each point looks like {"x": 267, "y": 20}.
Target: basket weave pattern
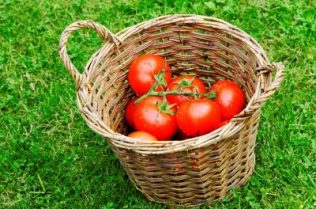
{"x": 194, "y": 171}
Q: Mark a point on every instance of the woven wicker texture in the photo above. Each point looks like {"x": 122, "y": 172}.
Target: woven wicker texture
{"x": 196, "y": 171}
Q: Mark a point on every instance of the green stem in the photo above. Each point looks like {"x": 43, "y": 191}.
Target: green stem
{"x": 210, "y": 95}
{"x": 152, "y": 89}
{"x": 160, "y": 81}
{"x": 166, "y": 93}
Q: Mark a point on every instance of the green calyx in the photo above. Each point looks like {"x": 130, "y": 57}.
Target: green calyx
{"x": 210, "y": 95}
{"x": 185, "y": 82}
{"x": 160, "y": 79}
{"x": 164, "y": 107}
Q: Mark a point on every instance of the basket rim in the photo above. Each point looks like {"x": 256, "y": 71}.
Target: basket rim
{"x": 161, "y": 147}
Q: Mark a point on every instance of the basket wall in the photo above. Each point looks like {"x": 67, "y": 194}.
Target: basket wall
{"x": 198, "y": 176}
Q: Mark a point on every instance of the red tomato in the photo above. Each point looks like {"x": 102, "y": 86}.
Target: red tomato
{"x": 142, "y": 135}
{"x": 129, "y": 112}
{"x": 185, "y": 83}
{"x": 180, "y": 136}
{"x": 198, "y": 117}
{"x": 222, "y": 123}
{"x": 230, "y": 98}
{"x": 142, "y": 72}
{"x": 154, "y": 116}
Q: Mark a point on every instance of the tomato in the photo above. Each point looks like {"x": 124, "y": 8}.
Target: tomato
{"x": 142, "y": 135}
{"x": 222, "y": 123}
{"x": 154, "y": 116}
{"x": 230, "y": 97}
{"x": 129, "y": 112}
{"x": 185, "y": 83}
{"x": 144, "y": 69}
{"x": 198, "y": 117}
{"x": 180, "y": 136}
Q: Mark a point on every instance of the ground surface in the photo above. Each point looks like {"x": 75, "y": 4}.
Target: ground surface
{"x": 49, "y": 158}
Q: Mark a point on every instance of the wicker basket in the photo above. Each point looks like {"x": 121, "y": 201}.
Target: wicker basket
{"x": 199, "y": 170}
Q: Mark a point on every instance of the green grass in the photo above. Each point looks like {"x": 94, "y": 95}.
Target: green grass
{"x": 49, "y": 158}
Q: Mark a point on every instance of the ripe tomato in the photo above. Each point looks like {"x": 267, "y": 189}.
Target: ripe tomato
{"x": 129, "y": 112}
{"x": 142, "y": 135}
{"x": 222, "y": 123}
{"x": 180, "y": 136}
{"x": 144, "y": 69}
{"x": 198, "y": 117}
{"x": 185, "y": 83}
{"x": 230, "y": 98}
{"x": 154, "y": 116}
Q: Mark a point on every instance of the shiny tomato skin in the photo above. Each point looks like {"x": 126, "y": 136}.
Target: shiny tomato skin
{"x": 148, "y": 117}
{"x": 129, "y": 112}
{"x": 230, "y": 98}
{"x": 198, "y": 117}
{"x": 142, "y": 72}
{"x": 185, "y": 83}
{"x": 222, "y": 123}
{"x": 142, "y": 135}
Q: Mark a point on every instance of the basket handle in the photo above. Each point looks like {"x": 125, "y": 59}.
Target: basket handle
{"x": 105, "y": 34}
{"x": 269, "y": 86}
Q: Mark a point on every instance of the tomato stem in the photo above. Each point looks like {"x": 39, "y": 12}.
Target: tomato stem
{"x": 210, "y": 95}
{"x": 160, "y": 80}
{"x": 166, "y": 93}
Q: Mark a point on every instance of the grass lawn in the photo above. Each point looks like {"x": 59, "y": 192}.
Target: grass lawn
{"x": 49, "y": 158}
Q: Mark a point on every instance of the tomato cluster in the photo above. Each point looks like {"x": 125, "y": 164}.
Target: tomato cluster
{"x": 167, "y": 108}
